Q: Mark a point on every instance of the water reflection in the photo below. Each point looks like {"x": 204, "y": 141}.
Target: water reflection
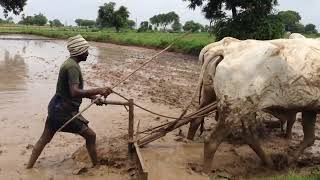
{"x": 105, "y": 54}
{"x": 24, "y": 49}
{"x": 13, "y": 72}
{"x": 39, "y": 44}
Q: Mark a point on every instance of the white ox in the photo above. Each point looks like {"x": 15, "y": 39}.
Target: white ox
{"x": 281, "y": 77}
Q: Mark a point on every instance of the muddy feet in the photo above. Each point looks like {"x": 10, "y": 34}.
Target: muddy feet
{"x": 198, "y": 168}
{"x": 213, "y": 174}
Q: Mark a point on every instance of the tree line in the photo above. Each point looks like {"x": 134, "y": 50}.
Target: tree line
{"x": 110, "y": 17}
{"x": 254, "y": 19}
{"x": 250, "y": 19}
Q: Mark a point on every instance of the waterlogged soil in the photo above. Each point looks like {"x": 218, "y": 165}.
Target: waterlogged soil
{"x": 28, "y": 73}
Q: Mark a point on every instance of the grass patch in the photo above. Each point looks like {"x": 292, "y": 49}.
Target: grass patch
{"x": 191, "y": 44}
{"x": 296, "y": 177}
{"x": 312, "y": 175}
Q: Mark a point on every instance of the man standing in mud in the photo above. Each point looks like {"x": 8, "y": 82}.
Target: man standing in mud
{"x": 65, "y": 103}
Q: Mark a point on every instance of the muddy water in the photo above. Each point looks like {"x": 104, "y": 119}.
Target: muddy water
{"x": 28, "y": 74}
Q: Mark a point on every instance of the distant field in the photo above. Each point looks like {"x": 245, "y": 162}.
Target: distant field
{"x": 192, "y": 44}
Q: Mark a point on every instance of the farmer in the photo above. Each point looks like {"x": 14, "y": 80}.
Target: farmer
{"x": 65, "y": 103}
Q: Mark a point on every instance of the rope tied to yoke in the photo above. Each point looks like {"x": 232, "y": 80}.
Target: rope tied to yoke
{"x": 197, "y": 114}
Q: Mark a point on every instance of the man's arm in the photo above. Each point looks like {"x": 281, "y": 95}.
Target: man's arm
{"x": 76, "y": 92}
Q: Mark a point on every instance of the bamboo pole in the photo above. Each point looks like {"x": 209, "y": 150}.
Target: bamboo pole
{"x": 120, "y": 103}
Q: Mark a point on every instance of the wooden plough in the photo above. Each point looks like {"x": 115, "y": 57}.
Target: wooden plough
{"x": 134, "y": 143}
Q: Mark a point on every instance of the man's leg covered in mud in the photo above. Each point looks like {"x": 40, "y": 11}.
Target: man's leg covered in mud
{"x": 90, "y": 137}
{"x": 45, "y": 138}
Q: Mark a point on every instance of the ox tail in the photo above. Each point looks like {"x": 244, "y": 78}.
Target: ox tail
{"x": 216, "y": 60}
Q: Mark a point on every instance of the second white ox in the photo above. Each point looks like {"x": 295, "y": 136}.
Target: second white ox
{"x": 281, "y": 77}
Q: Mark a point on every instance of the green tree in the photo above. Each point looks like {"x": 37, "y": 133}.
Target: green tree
{"x": 192, "y": 26}
{"x": 85, "y": 22}
{"x": 105, "y": 14}
{"x": 78, "y": 22}
{"x": 270, "y": 27}
{"x": 248, "y": 11}
{"x": 216, "y": 8}
{"x": 155, "y": 20}
{"x": 120, "y": 18}
{"x": 55, "y": 23}
{"x": 14, "y": 6}
{"x": 164, "y": 19}
{"x": 169, "y": 18}
{"x": 297, "y": 28}
{"x": 310, "y": 29}
{"x": 39, "y": 19}
{"x": 144, "y": 25}
{"x": 109, "y": 17}
{"x": 205, "y": 28}
{"x": 26, "y": 20}
{"x": 131, "y": 24}
{"x": 176, "y": 26}
{"x": 289, "y": 19}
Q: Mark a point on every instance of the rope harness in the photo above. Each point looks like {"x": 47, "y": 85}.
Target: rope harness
{"x": 200, "y": 113}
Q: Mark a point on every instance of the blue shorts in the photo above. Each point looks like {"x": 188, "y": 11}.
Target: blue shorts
{"x": 60, "y": 111}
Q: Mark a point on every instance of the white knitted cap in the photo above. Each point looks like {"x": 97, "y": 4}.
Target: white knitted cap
{"x": 77, "y": 45}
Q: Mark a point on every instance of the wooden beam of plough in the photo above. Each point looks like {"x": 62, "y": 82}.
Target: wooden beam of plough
{"x": 142, "y": 172}
{"x": 176, "y": 124}
{"x": 134, "y": 153}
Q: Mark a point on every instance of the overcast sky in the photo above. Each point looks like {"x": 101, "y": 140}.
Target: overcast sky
{"x": 69, "y": 10}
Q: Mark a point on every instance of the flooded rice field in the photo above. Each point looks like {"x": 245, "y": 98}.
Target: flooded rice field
{"x": 28, "y": 72}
